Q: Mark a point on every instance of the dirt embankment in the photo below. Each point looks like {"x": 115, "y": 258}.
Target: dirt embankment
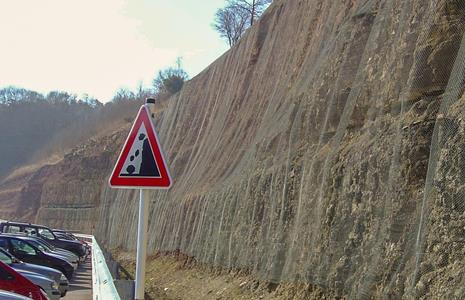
{"x": 174, "y": 276}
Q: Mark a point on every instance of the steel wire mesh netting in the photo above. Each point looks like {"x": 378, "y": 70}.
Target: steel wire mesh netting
{"x": 354, "y": 180}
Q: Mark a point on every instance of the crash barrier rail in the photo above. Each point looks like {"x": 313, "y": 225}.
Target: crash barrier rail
{"x": 123, "y": 280}
{"x": 103, "y": 285}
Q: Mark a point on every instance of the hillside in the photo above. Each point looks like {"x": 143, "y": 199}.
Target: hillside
{"x": 326, "y": 148}
{"x": 31, "y": 122}
{"x": 65, "y": 192}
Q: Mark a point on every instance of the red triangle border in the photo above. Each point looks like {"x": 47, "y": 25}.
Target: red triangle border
{"x": 162, "y": 182}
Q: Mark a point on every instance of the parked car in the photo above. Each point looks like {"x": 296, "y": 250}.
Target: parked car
{"x": 49, "y": 286}
{"x": 39, "y": 244}
{"x": 64, "y": 235}
{"x": 29, "y": 253}
{"x": 12, "y": 281}
{"x": 72, "y": 258}
{"x": 47, "y": 247}
{"x": 56, "y": 249}
{"x": 4, "y": 295}
{"x": 19, "y": 266}
{"x": 45, "y": 233}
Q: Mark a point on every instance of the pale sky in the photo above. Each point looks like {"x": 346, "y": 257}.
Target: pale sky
{"x": 98, "y": 46}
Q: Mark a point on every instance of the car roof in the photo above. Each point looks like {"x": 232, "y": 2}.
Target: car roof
{"x": 27, "y": 238}
{"x": 14, "y": 233}
{"x": 24, "y": 224}
{"x": 22, "y": 237}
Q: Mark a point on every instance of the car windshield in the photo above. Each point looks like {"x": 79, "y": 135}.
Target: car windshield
{"x": 46, "y": 233}
{"x": 46, "y": 244}
{"x": 64, "y": 237}
{"x": 5, "y": 258}
{"x": 70, "y": 235}
{"x": 40, "y": 246}
{"x": 23, "y": 247}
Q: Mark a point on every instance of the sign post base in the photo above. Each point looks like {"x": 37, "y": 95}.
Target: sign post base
{"x": 142, "y": 243}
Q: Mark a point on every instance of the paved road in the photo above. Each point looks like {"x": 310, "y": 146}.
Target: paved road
{"x": 81, "y": 284}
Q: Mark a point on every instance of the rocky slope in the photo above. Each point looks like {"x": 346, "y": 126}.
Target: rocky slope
{"x": 64, "y": 193}
{"x": 324, "y": 148}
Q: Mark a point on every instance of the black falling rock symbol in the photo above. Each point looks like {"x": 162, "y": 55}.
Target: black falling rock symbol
{"x": 148, "y": 166}
{"x": 130, "y": 169}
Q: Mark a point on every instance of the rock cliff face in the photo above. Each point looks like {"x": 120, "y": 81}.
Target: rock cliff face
{"x": 325, "y": 147}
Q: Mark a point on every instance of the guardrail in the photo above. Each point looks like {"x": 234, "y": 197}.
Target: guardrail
{"x": 103, "y": 286}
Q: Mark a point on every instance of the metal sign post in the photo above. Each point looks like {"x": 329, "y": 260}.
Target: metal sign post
{"x": 142, "y": 243}
{"x": 141, "y": 165}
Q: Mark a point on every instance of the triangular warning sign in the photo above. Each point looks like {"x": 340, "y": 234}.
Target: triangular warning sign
{"x": 141, "y": 163}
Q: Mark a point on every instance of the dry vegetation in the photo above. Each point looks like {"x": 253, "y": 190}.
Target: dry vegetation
{"x": 173, "y": 276}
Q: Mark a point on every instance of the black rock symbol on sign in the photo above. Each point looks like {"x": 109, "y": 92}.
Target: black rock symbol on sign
{"x": 147, "y": 166}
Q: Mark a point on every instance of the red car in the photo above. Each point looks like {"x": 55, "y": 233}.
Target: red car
{"x": 12, "y": 281}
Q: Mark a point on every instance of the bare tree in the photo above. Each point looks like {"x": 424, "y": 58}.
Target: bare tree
{"x": 254, "y": 8}
{"x": 231, "y": 23}
{"x": 238, "y": 15}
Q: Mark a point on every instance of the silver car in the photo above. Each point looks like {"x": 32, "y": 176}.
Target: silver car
{"x": 53, "y": 274}
{"x": 4, "y": 295}
{"x": 49, "y": 286}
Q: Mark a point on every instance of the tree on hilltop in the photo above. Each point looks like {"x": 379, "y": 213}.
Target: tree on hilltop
{"x": 170, "y": 80}
{"x": 254, "y": 8}
{"x": 123, "y": 95}
{"x": 232, "y": 21}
